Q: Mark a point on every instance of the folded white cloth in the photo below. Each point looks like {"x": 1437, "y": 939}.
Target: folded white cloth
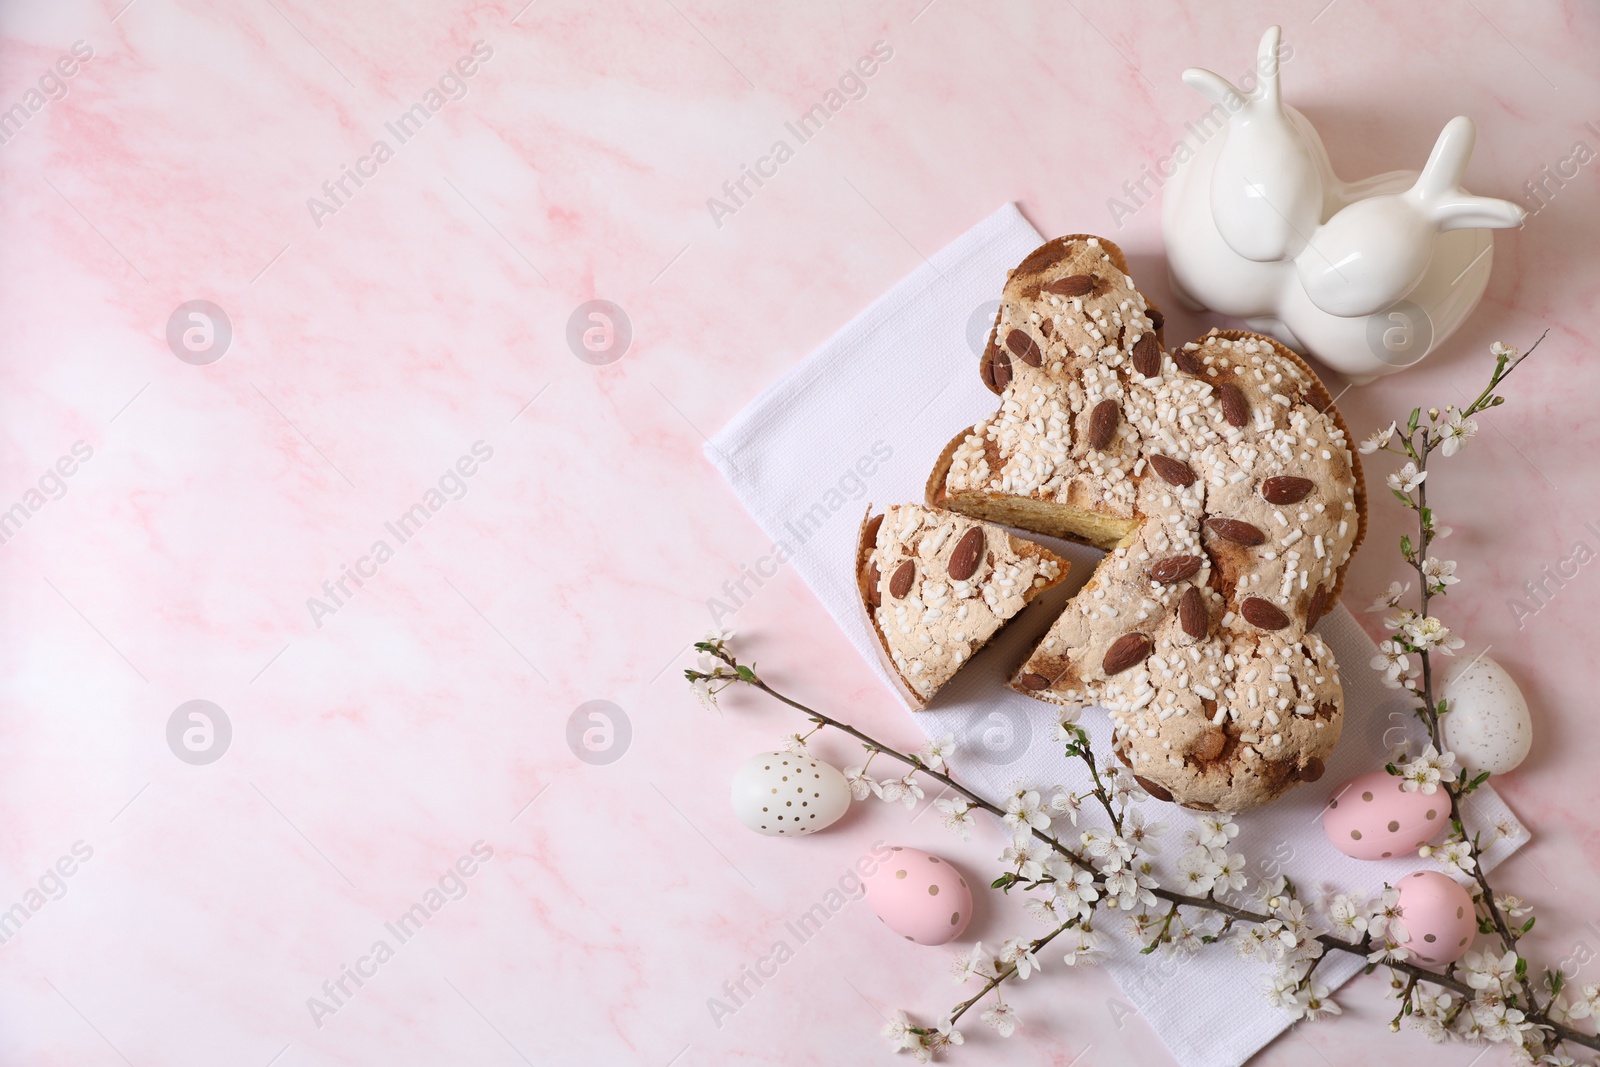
{"x": 863, "y": 418}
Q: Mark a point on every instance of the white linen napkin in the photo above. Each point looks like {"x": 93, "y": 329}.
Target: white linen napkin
{"x": 863, "y": 418}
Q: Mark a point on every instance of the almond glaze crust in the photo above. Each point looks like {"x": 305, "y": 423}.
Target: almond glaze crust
{"x": 937, "y": 586}
{"x": 1219, "y": 479}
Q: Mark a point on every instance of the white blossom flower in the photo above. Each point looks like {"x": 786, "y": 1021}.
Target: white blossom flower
{"x": 1439, "y": 572}
{"x": 1377, "y": 440}
{"x": 1296, "y": 926}
{"x": 1390, "y": 597}
{"x": 1212, "y": 831}
{"x": 957, "y": 816}
{"x": 1508, "y": 827}
{"x": 1074, "y": 889}
{"x": 1198, "y": 871}
{"x": 974, "y": 963}
{"x": 1429, "y": 1011}
{"x": 704, "y": 694}
{"x": 936, "y": 753}
{"x": 1003, "y": 1017}
{"x": 1314, "y": 1002}
{"x": 1500, "y": 1021}
{"x": 1346, "y": 917}
{"x": 1424, "y": 773}
{"x": 1230, "y": 870}
{"x": 1251, "y": 943}
{"x": 898, "y": 1031}
{"x": 1065, "y": 804}
{"x": 795, "y": 745}
{"x": 904, "y": 789}
{"x": 1429, "y": 632}
{"x": 861, "y": 785}
{"x": 1387, "y": 950}
{"x": 1488, "y": 970}
{"x": 1112, "y": 850}
{"x": 1142, "y": 834}
{"x": 1028, "y": 856}
{"x": 1406, "y": 479}
{"x": 1087, "y": 951}
{"x": 1400, "y": 619}
{"x": 1457, "y": 855}
{"x": 1384, "y": 920}
{"x": 1392, "y": 662}
{"x": 1187, "y": 942}
{"x": 1020, "y": 954}
{"x": 1125, "y": 787}
{"x": 1455, "y": 432}
{"x": 1512, "y": 907}
{"x": 1587, "y": 1005}
{"x": 1280, "y": 990}
{"x": 1066, "y": 718}
{"x": 1023, "y": 814}
{"x": 1051, "y": 911}
{"x": 1128, "y": 888}
{"x": 1501, "y": 350}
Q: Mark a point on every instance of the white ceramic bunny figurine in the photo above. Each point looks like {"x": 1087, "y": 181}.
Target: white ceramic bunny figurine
{"x": 1368, "y": 276}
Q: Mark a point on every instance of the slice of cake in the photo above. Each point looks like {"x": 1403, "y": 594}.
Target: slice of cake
{"x": 937, "y": 586}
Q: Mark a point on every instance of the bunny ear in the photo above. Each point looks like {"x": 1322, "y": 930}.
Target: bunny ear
{"x": 1472, "y": 212}
{"x": 1447, "y": 163}
{"x": 1267, "y": 66}
{"x": 1215, "y": 88}
{"x": 1439, "y": 189}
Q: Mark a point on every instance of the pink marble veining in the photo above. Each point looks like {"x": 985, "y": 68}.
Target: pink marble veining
{"x": 417, "y": 725}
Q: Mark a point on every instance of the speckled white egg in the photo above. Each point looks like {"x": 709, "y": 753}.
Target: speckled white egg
{"x": 780, "y": 794}
{"x": 1487, "y": 726}
{"x": 1437, "y": 913}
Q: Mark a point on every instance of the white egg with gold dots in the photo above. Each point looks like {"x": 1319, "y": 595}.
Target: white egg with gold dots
{"x": 781, "y": 794}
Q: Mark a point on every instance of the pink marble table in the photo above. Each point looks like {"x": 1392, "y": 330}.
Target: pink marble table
{"x": 399, "y": 726}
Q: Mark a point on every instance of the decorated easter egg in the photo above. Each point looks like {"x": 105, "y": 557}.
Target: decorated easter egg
{"x": 781, "y": 794}
{"x": 920, "y": 897}
{"x": 1373, "y": 818}
{"x": 1487, "y": 726}
{"x": 1438, "y": 917}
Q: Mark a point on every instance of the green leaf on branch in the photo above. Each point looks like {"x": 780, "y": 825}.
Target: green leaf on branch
{"x": 745, "y": 673}
{"x": 1476, "y": 782}
{"x": 1005, "y": 881}
{"x": 1405, "y": 545}
{"x": 1529, "y": 924}
{"x": 1416, "y": 417}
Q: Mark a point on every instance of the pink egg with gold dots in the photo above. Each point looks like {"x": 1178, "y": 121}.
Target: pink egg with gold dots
{"x": 920, "y": 897}
{"x": 1438, "y": 917}
{"x": 1373, "y": 818}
